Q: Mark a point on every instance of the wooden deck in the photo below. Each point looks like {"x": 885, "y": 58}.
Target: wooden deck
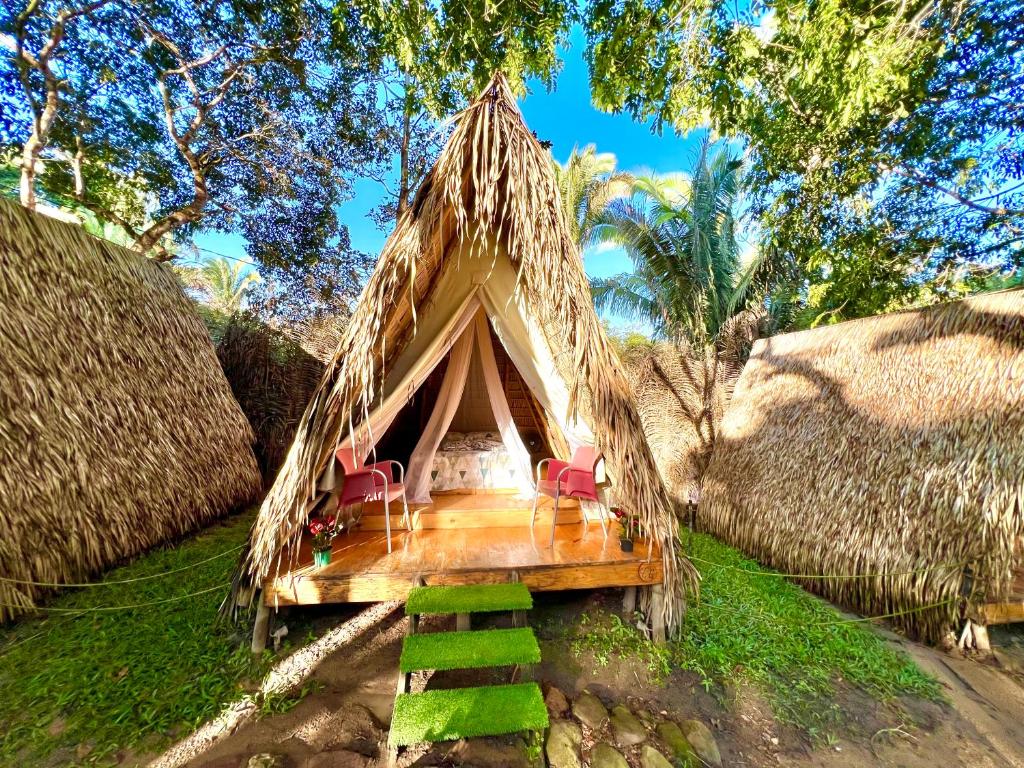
{"x": 1010, "y": 611}
{"x": 453, "y": 543}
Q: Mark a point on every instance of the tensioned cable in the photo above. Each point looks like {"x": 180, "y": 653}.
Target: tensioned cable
{"x": 122, "y": 581}
{"x": 101, "y": 608}
{"x": 878, "y": 574}
{"x": 894, "y": 614}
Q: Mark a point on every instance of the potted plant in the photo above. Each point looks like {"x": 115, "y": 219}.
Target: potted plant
{"x": 630, "y": 528}
{"x": 323, "y": 530}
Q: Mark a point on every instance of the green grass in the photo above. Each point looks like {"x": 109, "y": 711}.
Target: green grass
{"x": 759, "y": 628}
{"x": 474, "y": 598}
{"x": 458, "y": 713}
{"x": 469, "y": 650}
{"x": 126, "y": 679}
{"x": 762, "y": 628}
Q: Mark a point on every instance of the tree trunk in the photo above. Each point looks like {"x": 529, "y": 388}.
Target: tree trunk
{"x": 403, "y": 183}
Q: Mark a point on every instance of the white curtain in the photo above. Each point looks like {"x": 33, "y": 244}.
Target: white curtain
{"x": 499, "y": 404}
{"x": 476, "y": 337}
{"x": 448, "y": 399}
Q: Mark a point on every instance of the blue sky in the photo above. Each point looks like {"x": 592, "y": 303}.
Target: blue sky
{"x": 564, "y": 117}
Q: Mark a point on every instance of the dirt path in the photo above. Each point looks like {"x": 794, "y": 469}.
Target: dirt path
{"x": 343, "y": 721}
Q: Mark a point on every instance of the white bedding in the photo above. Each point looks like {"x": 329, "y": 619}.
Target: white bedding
{"x": 473, "y": 460}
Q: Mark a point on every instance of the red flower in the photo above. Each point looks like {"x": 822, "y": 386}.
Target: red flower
{"x": 316, "y": 526}
{"x": 330, "y": 521}
{"x": 618, "y": 513}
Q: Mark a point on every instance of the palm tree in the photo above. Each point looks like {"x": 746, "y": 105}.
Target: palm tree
{"x": 680, "y": 232}
{"x": 587, "y": 184}
{"x": 223, "y": 284}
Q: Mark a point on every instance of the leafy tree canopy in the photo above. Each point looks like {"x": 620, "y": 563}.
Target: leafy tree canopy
{"x": 885, "y": 138}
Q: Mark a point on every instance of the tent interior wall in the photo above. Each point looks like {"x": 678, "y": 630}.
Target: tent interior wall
{"x": 475, "y": 413}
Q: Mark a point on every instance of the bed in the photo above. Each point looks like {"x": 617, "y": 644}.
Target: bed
{"x": 473, "y": 460}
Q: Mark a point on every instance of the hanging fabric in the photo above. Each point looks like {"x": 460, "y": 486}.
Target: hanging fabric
{"x": 448, "y": 399}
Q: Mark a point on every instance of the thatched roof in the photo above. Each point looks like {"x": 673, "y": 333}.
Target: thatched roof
{"x": 117, "y": 428}
{"x": 680, "y": 396}
{"x": 887, "y": 445}
{"x": 493, "y": 181}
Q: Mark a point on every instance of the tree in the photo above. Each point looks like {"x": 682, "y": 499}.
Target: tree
{"x": 222, "y": 283}
{"x": 215, "y": 114}
{"x": 434, "y": 57}
{"x": 40, "y": 38}
{"x": 885, "y": 139}
{"x": 688, "y": 279}
{"x": 587, "y": 184}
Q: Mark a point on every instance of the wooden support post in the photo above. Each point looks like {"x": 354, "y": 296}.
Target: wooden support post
{"x": 261, "y": 630}
{"x": 628, "y": 602}
{"x": 657, "y": 614}
{"x": 462, "y": 622}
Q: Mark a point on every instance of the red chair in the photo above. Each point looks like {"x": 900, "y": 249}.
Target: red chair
{"x": 575, "y": 479}
{"x": 375, "y": 482}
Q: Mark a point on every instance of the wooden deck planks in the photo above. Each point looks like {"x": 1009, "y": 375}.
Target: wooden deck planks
{"x": 361, "y": 569}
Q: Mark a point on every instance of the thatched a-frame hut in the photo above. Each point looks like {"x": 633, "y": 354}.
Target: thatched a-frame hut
{"x": 485, "y": 226}
{"x": 117, "y": 428}
{"x": 888, "y": 454}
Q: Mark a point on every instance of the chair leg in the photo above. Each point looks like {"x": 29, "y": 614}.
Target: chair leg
{"x": 387, "y": 520}
{"x": 533, "y": 517}
{"x": 554, "y": 517}
{"x": 601, "y": 515}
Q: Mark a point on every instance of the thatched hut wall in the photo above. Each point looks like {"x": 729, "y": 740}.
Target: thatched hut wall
{"x": 273, "y": 377}
{"x": 889, "y": 448}
{"x": 117, "y": 428}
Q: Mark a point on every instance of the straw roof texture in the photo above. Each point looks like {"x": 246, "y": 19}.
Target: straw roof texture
{"x": 117, "y": 428}
{"x": 272, "y": 376}
{"x": 891, "y": 447}
{"x": 680, "y": 397}
{"x": 493, "y": 182}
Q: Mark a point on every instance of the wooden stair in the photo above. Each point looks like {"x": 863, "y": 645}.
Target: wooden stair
{"x": 456, "y": 713}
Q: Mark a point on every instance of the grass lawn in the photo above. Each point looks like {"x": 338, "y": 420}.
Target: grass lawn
{"x": 752, "y": 626}
{"x": 126, "y": 679}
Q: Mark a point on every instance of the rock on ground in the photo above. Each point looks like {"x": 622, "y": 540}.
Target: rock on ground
{"x": 604, "y": 755}
{"x": 627, "y": 728}
{"x": 702, "y": 741}
{"x": 673, "y": 737}
{"x": 589, "y": 710}
{"x": 563, "y": 745}
{"x": 652, "y": 758}
{"x": 267, "y": 760}
{"x": 556, "y": 702}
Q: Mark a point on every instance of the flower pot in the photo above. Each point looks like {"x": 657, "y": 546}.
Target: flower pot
{"x": 321, "y": 557}
{"x": 626, "y": 544}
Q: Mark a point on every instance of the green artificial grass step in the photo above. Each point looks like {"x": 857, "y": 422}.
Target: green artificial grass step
{"x": 469, "y": 650}
{"x": 462, "y": 713}
{"x": 472, "y": 598}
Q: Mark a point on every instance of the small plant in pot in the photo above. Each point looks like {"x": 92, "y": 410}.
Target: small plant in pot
{"x": 323, "y": 530}
{"x": 630, "y": 528}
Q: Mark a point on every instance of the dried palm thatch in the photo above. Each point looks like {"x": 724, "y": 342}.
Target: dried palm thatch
{"x": 117, "y": 428}
{"x": 890, "y": 448}
{"x": 493, "y": 182}
{"x": 680, "y": 398}
{"x": 272, "y": 377}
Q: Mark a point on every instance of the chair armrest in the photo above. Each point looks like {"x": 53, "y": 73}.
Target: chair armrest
{"x": 556, "y": 468}
{"x": 386, "y": 468}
